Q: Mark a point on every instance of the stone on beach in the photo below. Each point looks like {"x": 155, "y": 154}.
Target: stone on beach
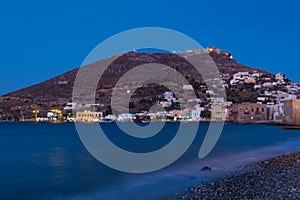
{"x": 276, "y": 178}
{"x": 206, "y": 168}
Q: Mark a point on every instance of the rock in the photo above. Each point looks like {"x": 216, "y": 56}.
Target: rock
{"x": 206, "y": 168}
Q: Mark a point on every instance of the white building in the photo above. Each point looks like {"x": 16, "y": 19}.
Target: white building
{"x": 278, "y": 114}
{"x": 111, "y": 117}
{"x": 168, "y": 95}
{"x": 239, "y": 77}
{"x": 196, "y": 113}
{"x": 267, "y": 84}
{"x": 257, "y": 86}
{"x": 262, "y": 98}
{"x": 210, "y": 92}
{"x": 74, "y": 106}
{"x": 124, "y": 117}
{"x": 279, "y": 77}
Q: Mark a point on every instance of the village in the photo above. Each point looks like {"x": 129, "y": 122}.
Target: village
{"x": 252, "y": 96}
{"x": 273, "y": 106}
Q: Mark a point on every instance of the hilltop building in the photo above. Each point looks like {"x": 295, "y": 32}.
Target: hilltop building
{"x": 279, "y": 77}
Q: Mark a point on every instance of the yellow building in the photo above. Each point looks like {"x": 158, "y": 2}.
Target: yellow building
{"x": 88, "y": 116}
{"x": 176, "y": 113}
{"x": 292, "y": 112}
{"x": 219, "y": 113}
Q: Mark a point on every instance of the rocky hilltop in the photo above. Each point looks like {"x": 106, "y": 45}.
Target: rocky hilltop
{"x": 57, "y": 92}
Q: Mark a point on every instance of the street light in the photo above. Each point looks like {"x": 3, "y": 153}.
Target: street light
{"x": 57, "y": 113}
{"x": 36, "y": 113}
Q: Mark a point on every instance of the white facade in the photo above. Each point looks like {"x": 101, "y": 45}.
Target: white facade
{"x": 267, "y": 84}
{"x": 124, "y": 117}
{"x": 196, "y": 113}
{"x": 170, "y": 96}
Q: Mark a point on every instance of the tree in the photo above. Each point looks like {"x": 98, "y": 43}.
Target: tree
{"x": 205, "y": 114}
{"x": 131, "y": 105}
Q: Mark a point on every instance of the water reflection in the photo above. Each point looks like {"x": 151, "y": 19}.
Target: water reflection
{"x": 58, "y": 157}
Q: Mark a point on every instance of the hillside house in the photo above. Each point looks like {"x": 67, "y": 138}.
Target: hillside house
{"x": 250, "y": 80}
{"x": 267, "y": 84}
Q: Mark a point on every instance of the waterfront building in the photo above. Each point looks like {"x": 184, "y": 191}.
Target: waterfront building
{"x": 272, "y": 110}
{"x": 89, "y": 116}
{"x": 251, "y": 113}
{"x": 292, "y": 112}
{"x": 110, "y": 118}
{"x": 218, "y": 113}
{"x": 176, "y": 113}
{"x": 125, "y": 117}
{"x": 196, "y": 113}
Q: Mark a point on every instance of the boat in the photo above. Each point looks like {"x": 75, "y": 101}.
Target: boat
{"x": 105, "y": 120}
{"x": 137, "y": 119}
{"x": 146, "y": 119}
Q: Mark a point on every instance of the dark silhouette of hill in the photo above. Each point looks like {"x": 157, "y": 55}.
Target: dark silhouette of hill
{"x": 56, "y": 92}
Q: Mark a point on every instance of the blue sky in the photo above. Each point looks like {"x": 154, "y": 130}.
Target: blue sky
{"x": 42, "y": 39}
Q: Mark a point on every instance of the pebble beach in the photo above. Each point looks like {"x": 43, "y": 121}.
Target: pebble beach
{"x": 275, "y": 178}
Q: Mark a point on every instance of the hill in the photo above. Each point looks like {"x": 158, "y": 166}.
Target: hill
{"x": 57, "y": 92}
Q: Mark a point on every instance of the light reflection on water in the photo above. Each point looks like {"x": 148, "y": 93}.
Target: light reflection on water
{"x": 48, "y": 161}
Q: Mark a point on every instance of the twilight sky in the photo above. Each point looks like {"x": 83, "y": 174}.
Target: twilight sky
{"x": 42, "y": 39}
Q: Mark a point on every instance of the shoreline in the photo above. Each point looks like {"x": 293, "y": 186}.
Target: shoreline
{"x": 274, "y": 178}
{"x": 201, "y": 122}
{"x": 283, "y": 126}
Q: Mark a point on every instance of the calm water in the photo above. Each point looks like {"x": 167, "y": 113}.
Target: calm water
{"x": 48, "y": 161}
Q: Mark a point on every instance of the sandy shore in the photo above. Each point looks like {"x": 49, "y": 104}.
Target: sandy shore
{"x": 276, "y": 178}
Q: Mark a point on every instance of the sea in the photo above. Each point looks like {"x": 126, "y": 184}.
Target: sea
{"x": 49, "y": 161}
